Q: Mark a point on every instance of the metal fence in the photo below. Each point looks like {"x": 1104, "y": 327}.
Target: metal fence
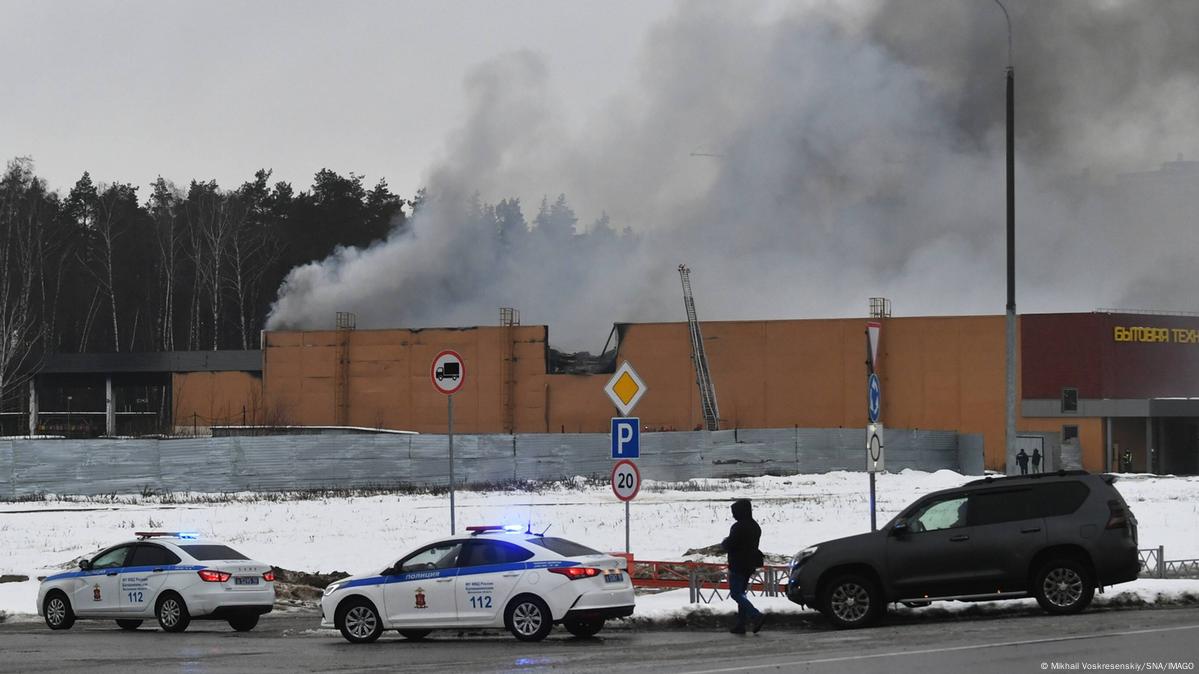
{"x": 1155, "y": 565}
{"x": 297, "y": 462}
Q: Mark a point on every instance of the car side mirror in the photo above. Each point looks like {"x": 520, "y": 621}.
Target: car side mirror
{"x": 85, "y": 564}
{"x": 900, "y": 528}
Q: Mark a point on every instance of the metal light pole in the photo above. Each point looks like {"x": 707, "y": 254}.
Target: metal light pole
{"x": 1010, "y": 355}
{"x": 68, "y": 433}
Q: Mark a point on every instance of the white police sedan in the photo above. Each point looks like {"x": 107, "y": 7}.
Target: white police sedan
{"x": 494, "y": 577}
{"x": 174, "y": 577}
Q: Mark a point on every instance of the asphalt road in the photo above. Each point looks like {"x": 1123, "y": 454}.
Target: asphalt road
{"x": 1151, "y": 639}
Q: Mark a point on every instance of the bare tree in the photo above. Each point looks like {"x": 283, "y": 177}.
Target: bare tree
{"x": 254, "y": 249}
{"x": 251, "y": 248}
{"x": 213, "y": 218}
{"x": 164, "y": 212}
{"x": 106, "y": 230}
{"x": 20, "y": 243}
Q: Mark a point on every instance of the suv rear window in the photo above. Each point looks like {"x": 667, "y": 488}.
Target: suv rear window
{"x": 1060, "y": 498}
{"x": 1003, "y": 505}
{"x": 208, "y": 552}
{"x": 564, "y": 547}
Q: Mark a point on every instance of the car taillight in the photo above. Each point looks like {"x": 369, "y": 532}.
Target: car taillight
{"x": 269, "y": 576}
{"x": 576, "y": 572}
{"x": 1118, "y": 517}
{"x": 210, "y": 576}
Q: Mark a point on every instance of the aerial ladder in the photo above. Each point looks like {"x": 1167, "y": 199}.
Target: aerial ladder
{"x": 703, "y": 378}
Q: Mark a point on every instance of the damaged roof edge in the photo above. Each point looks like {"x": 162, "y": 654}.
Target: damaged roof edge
{"x": 583, "y": 362}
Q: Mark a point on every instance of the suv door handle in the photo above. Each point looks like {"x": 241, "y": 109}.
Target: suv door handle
{"x": 111, "y": 573}
{"x": 157, "y": 570}
{"x": 1030, "y": 531}
{"x": 959, "y": 538}
{"x": 511, "y": 575}
{"x": 445, "y": 580}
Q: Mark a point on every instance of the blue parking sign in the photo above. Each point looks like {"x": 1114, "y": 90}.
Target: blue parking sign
{"x": 626, "y": 437}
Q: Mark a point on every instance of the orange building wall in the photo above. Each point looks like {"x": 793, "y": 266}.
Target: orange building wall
{"x": 215, "y": 398}
{"x": 937, "y": 373}
{"x": 388, "y": 378}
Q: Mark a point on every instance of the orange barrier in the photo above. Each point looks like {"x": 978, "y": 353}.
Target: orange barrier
{"x": 647, "y": 573}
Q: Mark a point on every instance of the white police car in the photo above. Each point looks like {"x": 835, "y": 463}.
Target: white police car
{"x": 494, "y": 577}
{"x": 174, "y": 577}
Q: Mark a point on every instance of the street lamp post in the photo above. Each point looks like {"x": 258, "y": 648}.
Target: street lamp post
{"x": 68, "y": 433}
{"x": 1010, "y": 341}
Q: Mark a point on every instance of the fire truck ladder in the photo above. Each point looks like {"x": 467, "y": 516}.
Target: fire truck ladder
{"x": 703, "y": 378}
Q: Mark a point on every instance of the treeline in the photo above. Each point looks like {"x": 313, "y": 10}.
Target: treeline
{"x": 104, "y": 269}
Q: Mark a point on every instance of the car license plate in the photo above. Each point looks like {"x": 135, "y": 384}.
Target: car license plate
{"x": 245, "y": 580}
{"x": 613, "y": 577}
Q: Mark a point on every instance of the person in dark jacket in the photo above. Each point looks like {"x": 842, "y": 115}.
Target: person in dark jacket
{"x": 744, "y": 558}
{"x": 1022, "y": 461}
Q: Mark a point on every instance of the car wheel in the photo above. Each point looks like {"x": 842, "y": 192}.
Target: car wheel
{"x": 172, "y": 613}
{"x": 359, "y": 621}
{"x": 584, "y": 628}
{"x": 415, "y": 635}
{"x": 58, "y": 612}
{"x": 851, "y": 601}
{"x": 528, "y": 618}
{"x": 243, "y": 623}
{"x": 1063, "y": 586}
{"x": 129, "y": 624}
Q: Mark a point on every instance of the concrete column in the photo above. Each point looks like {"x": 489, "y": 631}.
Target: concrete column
{"x": 33, "y": 406}
{"x": 1148, "y": 444}
{"x": 1107, "y": 454}
{"x": 110, "y": 408}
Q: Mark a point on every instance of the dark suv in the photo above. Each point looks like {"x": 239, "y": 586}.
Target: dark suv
{"x": 1055, "y": 536}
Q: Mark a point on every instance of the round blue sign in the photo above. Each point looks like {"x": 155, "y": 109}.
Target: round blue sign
{"x": 875, "y": 401}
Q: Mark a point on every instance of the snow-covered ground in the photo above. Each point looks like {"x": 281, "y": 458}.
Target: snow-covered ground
{"x": 354, "y": 534}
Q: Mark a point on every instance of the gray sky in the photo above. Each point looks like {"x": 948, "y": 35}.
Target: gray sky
{"x": 130, "y": 90}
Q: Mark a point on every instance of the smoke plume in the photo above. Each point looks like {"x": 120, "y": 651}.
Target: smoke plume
{"x": 800, "y": 163}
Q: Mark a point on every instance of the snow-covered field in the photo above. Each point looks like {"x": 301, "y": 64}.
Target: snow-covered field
{"x": 354, "y": 534}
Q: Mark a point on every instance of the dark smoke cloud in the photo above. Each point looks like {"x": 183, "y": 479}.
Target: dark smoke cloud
{"x": 1106, "y": 85}
{"x": 854, "y": 157}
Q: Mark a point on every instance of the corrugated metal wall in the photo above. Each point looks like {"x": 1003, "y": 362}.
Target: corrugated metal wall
{"x": 274, "y": 463}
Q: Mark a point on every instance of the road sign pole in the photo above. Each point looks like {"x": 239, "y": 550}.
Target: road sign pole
{"x": 450, "y": 413}
{"x": 873, "y": 525}
{"x": 626, "y": 527}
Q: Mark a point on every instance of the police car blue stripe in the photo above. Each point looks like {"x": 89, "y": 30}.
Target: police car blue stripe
{"x": 121, "y": 570}
{"x": 463, "y": 571}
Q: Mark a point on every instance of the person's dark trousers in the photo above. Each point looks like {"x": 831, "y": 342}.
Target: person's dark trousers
{"x": 738, "y": 584}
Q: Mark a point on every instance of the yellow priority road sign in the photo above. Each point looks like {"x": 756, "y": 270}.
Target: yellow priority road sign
{"x": 625, "y": 388}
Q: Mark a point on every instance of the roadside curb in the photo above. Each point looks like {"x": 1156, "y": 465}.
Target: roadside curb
{"x": 704, "y": 617}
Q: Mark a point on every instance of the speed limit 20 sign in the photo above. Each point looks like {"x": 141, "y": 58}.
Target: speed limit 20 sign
{"x": 626, "y": 480}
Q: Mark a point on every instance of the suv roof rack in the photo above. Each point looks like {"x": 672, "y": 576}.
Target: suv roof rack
{"x": 1034, "y": 476}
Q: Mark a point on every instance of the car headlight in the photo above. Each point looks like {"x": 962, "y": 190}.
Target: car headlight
{"x": 331, "y": 588}
{"x": 802, "y": 555}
